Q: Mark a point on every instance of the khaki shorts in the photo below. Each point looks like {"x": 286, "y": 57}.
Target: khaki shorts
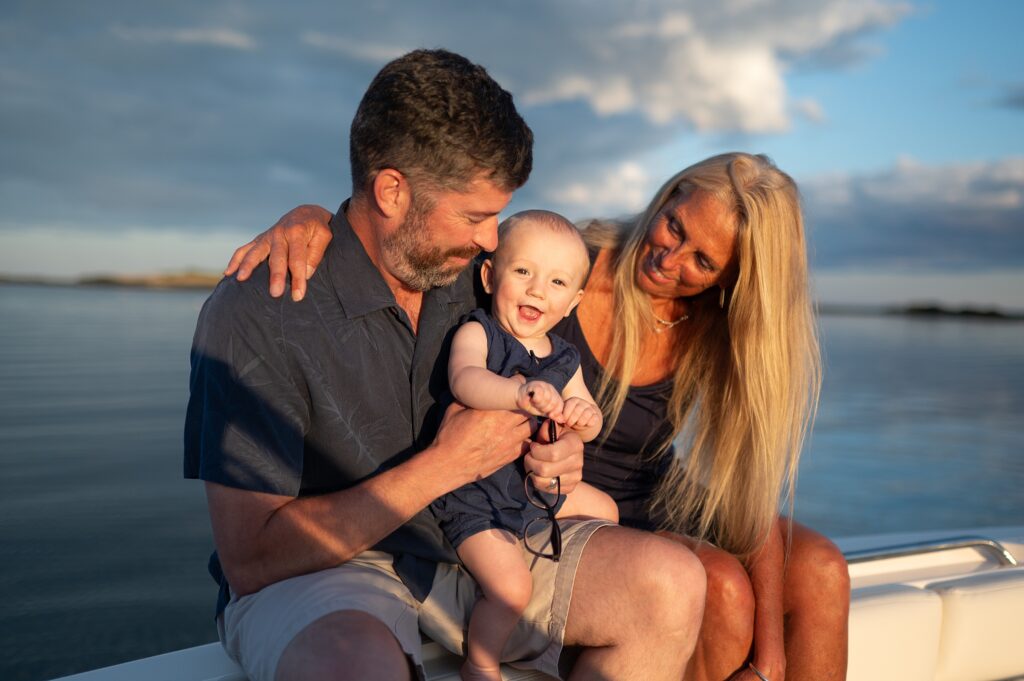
{"x": 256, "y": 629}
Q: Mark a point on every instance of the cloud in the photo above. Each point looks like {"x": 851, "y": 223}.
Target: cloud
{"x": 715, "y": 66}
{"x": 624, "y": 188}
{"x": 372, "y": 52}
{"x": 123, "y": 114}
{"x": 217, "y": 37}
{"x": 810, "y": 110}
{"x": 1012, "y": 97}
{"x": 964, "y": 216}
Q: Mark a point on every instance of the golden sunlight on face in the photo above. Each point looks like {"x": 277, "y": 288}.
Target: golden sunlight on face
{"x": 535, "y": 278}
{"x": 433, "y": 245}
{"x": 690, "y": 247}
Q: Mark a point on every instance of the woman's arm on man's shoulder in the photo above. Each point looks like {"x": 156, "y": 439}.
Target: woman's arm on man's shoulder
{"x": 295, "y": 244}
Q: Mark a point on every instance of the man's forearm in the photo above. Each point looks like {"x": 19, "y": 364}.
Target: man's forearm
{"x": 303, "y": 535}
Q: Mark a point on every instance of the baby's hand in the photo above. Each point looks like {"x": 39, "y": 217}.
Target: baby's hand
{"x": 580, "y": 414}
{"x": 540, "y": 399}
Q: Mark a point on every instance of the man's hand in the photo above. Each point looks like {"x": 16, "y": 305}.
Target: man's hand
{"x": 562, "y": 459}
{"x": 476, "y": 443}
{"x": 296, "y": 244}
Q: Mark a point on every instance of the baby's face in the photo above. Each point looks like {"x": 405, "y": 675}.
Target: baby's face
{"x": 535, "y": 277}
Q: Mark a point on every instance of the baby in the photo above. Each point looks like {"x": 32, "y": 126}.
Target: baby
{"x": 507, "y": 360}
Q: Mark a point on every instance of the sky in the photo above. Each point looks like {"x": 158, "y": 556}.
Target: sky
{"x": 155, "y": 137}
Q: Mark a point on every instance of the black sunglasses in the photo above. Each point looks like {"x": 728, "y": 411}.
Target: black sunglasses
{"x": 540, "y": 500}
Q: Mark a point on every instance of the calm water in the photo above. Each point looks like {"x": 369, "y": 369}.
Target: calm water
{"x": 921, "y": 426}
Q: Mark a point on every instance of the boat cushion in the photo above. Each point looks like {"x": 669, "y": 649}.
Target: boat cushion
{"x": 894, "y": 633}
{"x": 977, "y": 644}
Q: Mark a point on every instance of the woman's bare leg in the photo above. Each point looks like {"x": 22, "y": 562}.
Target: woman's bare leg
{"x": 817, "y": 606}
{"x": 816, "y": 602}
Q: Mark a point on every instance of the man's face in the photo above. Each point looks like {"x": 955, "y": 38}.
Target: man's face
{"x": 443, "y": 232}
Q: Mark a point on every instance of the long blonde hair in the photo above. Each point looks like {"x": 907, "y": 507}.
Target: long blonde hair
{"x": 745, "y": 386}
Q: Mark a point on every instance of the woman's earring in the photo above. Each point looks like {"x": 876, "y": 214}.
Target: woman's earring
{"x": 721, "y": 297}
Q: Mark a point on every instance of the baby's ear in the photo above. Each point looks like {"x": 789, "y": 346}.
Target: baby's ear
{"x": 574, "y": 303}
{"x": 487, "y": 274}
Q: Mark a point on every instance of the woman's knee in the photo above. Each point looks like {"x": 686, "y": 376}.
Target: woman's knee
{"x": 817, "y": 569}
{"x": 730, "y": 598}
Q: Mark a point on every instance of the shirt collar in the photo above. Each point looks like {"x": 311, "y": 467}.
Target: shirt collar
{"x": 358, "y": 284}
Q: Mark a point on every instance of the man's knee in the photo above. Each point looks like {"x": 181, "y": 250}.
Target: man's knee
{"x": 348, "y": 644}
{"x": 676, "y": 582}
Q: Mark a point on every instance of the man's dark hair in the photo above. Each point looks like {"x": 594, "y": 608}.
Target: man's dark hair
{"x": 442, "y": 121}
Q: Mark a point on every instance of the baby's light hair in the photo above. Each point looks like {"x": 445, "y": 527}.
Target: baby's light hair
{"x": 553, "y": 221}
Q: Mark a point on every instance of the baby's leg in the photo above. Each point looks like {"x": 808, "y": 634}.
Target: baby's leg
{"x": 496, "y": 562}
{"x": 587, "y": 501}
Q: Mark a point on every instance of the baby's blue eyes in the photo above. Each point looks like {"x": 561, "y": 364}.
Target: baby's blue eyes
{"x": 522, "y": 271}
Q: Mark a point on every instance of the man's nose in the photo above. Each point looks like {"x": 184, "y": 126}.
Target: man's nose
{"x": 486, "y": 235}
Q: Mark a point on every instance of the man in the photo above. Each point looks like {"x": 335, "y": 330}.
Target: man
{"x": 312, "y": 424}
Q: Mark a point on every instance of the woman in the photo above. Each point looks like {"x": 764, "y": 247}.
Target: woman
{"x": 697, "y": 323}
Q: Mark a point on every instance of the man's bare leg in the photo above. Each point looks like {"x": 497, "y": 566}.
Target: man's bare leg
{"x": 727, "y": 632}
{"x": 637, "y": 605}
{"x": 342, "y": 646}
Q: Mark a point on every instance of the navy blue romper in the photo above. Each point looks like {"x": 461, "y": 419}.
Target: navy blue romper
{"x": 498, "y": 501}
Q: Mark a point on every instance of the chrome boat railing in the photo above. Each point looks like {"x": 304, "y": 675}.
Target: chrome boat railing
{"x": 984, "y": 544}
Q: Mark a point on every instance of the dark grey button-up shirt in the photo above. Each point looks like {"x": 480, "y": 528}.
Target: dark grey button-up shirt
{"x": 312, "y": 397}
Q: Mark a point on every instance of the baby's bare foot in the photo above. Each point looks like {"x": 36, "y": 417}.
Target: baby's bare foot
{"x": 472, "y": 672}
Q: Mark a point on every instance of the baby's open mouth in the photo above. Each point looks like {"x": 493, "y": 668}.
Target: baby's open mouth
{"x": 529, "y": 313}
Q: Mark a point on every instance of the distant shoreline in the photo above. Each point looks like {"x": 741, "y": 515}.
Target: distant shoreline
{"x": 179, "y": 280}
{"x": 195, "y": 280}
{"x": 921, "y": 310}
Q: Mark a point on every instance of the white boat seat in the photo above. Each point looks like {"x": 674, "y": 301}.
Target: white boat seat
{"x": 976, "y": 643}
{"x": 894, "y": 633}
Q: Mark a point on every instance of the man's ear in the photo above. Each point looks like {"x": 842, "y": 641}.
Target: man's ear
{"x": 487, "y": 274}
{"x": 391, "y": 193}
{"x": 574, "y": 303}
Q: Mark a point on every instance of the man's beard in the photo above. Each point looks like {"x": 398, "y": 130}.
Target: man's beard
{"x": 414, "y": 260}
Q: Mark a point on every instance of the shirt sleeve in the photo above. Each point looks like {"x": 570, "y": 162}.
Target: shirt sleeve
{"x": 247, "y": 414}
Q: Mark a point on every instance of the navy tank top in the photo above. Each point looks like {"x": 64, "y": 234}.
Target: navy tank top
{"x": 623, "y": 462}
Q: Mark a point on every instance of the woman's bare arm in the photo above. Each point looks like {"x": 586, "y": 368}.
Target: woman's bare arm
{"x": 766, "y": 578}
{"x": 295, "y": 244}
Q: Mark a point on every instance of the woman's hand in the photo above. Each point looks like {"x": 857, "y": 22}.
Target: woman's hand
{"x": 296, "y": 244}
{"x": 748, "y": 674}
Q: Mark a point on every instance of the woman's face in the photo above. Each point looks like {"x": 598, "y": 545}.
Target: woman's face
{"x": 690, "y": 247}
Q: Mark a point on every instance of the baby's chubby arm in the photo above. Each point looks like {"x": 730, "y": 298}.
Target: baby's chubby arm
{"x": 580, "y": 412}
{"x": 468, "y": 377}
{"x": 474, "y": 385}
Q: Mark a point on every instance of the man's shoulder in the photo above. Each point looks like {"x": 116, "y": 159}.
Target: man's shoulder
{"x": 234, "y": 298}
